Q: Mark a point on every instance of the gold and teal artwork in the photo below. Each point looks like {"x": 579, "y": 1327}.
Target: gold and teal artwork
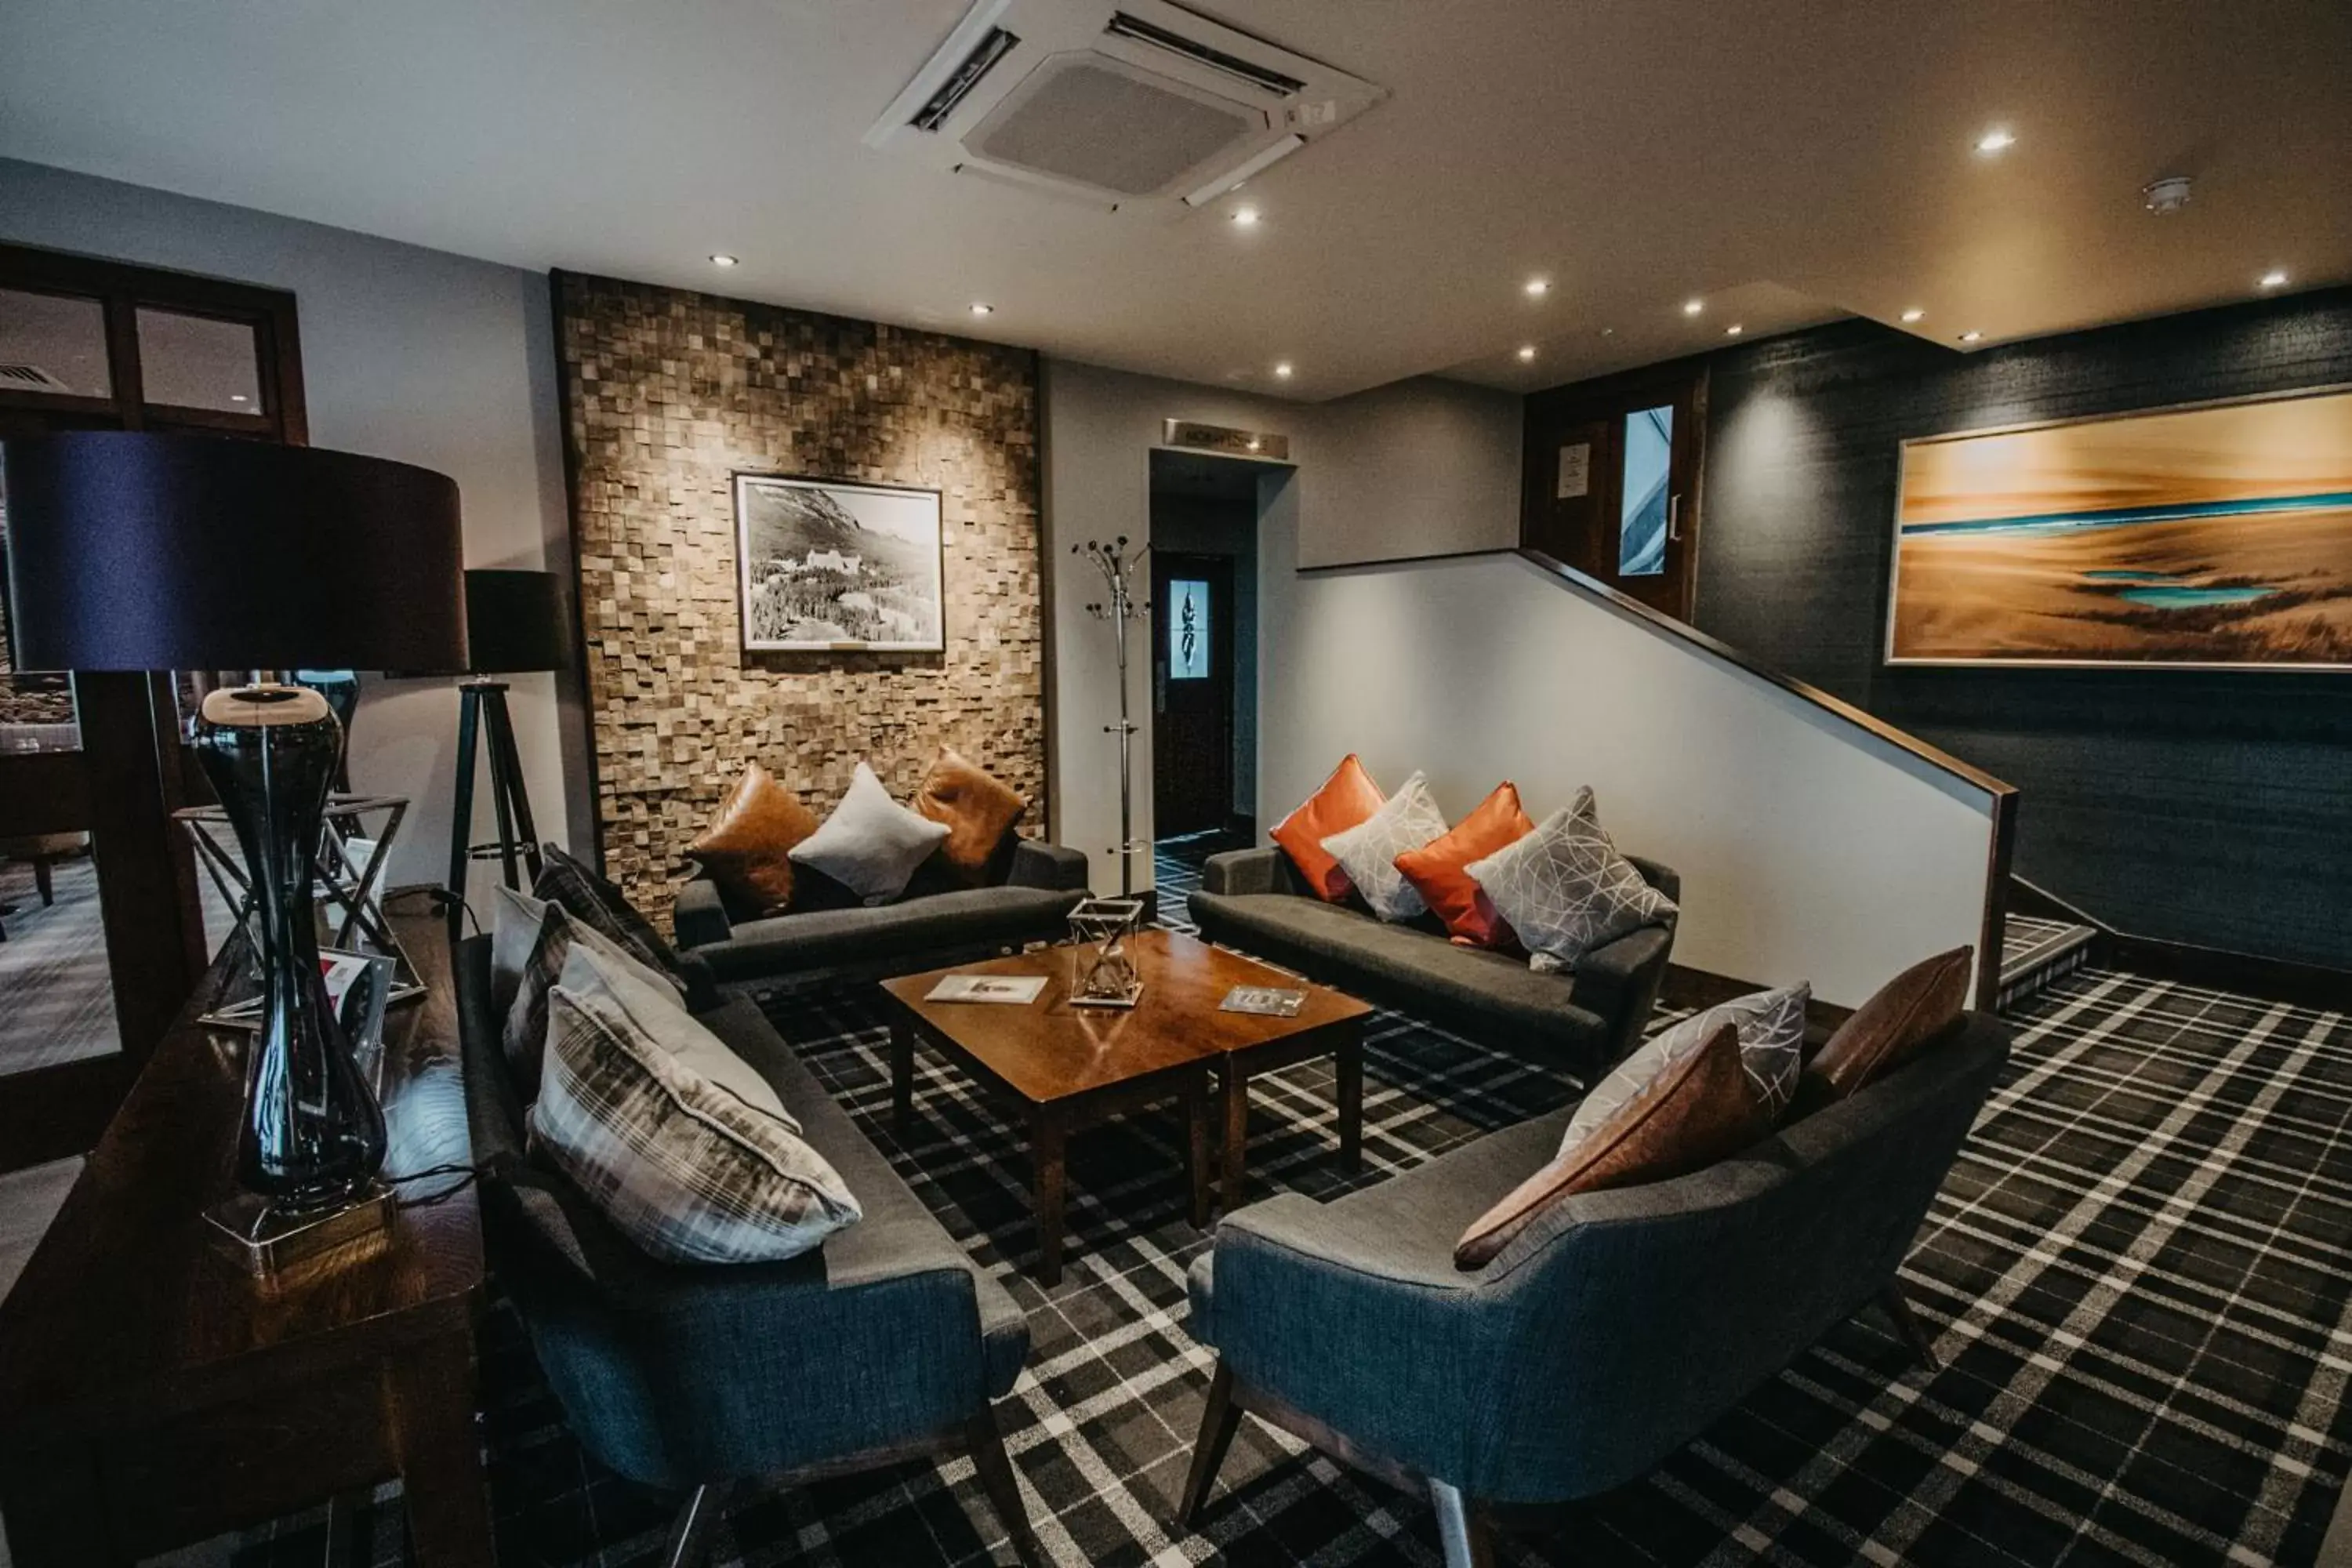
{"x": 2211, "y": 536}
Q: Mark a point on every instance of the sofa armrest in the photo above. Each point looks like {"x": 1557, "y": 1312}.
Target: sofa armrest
{"x": 1619, "y": 981}
{"x": 673, "y": 1375}
{"x": 1665, "y": 879}
{"x": 700, "y": 916}
{"x": 1037, "y": 864}
{"x": 1259, "y": 870}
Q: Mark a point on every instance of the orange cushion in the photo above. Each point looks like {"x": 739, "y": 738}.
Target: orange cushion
{"x": 977, "y": 808}
{"x": 1438, "y": 871}
{"x": 1346, "y": 799}
{"x": 746, "y": 849}
{"x": 1698, "y": 1110}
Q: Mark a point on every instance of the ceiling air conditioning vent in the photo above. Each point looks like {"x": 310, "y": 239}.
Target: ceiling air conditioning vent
{"x": 1137, "y": 106}
{"x": 984, "y": 55}
{"x": 20, "y": 377}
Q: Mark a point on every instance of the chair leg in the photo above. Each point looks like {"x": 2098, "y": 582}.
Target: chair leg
{"x": 996, "y": 1478}
{"x": 43, "y": 881}
{"x": 1462, "y": 1528}
{"x": 689, "y": 1533}
{"x": 1219, "y": 1419}
{"x": 1908, "y": 1328}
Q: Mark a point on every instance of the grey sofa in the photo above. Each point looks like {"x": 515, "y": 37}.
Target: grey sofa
{"x": 1255, "y": 899}
{"x": 883, "y": 1344}
{"x": 930, "y": 927}
{"x": 1609, "y": 1333}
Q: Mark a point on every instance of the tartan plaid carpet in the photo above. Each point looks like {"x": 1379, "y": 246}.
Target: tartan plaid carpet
{"x": 2135, "y": 1274}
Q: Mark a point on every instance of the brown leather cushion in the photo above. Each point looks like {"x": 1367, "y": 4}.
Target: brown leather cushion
{"x": 977, "y": 808}
{"x": 1346, "y": 799}
{"x": 748, "y": 846}
{"x": 1884, "y": 1032}
{"x": 1439, "y": 872}
{"x": 1697, "y": 1112}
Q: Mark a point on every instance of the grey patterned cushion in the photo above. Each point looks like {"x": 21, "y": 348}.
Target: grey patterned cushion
{"x": 514, "y": 931}
{"x": 687, "y": 1166}
{"x": 591, "y": 899}
{"x": 870, "y": 845}
{"x": 1565, "y": 889}
{"x": 1367, "y": 851}
{"x": 1771, "y": 1026}
{"x": 523, "y": 1033}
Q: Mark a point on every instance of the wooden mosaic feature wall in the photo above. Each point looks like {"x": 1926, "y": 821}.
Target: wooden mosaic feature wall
{"x": 668, "y": 396}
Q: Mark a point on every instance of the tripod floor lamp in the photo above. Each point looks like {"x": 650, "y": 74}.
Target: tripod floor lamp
{"x": 514, "y": 625}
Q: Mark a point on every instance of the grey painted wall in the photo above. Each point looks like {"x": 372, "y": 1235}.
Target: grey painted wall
{"x": 2213, "y": 808}
{"x": 409, "y": 353}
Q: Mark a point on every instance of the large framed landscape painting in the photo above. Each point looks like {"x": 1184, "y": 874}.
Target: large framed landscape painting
{"x": 2214, "y": 536}
{"x": 823, "y": 566}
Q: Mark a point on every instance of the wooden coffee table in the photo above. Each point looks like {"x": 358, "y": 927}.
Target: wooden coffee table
{"x": 1067, "y": 1067}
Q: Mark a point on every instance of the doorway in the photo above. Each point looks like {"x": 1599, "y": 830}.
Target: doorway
{"x": 1204, "y": 517}
{"x": 1612, "y": 481}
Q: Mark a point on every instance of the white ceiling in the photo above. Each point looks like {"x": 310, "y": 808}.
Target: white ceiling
{"x": 1788, "y": 160}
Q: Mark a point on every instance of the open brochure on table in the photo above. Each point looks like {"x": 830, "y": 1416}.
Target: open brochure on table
{"x": 1009, "y": 990}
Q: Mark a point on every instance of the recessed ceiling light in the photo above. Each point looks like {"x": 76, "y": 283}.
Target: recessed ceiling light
{"x": 238, "y": 397}
{"x": 1608, "y": 331}
{"x": 1734, "y": 330}
{"x": 1527, "y": 350}
{"x": 1245, "y": 217}
{"x": 979, "y": 309}
{"x": 1538, "y": 287}
{"x": 1283, "y": 370}
{"x": 2274, "y": 279}
{"x": 1693, "y": 307}
{"x": 1999, "y": 139}
{"x": 1971, "y": 336}
{"x": 1914, "y": 314}
{"x": 720, "y": 258}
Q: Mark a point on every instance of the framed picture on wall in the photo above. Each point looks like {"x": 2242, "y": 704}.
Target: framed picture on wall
{"x": 828, "y": 566}
{"x": 2211, "y": 536}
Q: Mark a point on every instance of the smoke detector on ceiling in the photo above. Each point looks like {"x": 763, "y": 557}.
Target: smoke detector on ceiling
{"x": 1125, "y": 104}
{"x": 2167, "y": 196}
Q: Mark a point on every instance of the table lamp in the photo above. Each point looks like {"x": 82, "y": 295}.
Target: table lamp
{"x": 514, "y": 623}
{"x": 130, "y": 551}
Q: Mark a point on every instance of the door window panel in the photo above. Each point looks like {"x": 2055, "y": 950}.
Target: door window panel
{"x": 53, "y": 343}
{"x": 1643, "y": 512}
{"x": 1188, "y": 630}
{"x": 199, "y": 362}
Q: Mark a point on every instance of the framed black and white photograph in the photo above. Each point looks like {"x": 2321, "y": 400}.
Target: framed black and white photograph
{"x": 824, "y": 566}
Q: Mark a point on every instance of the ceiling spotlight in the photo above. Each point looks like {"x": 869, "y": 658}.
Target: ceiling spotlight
{"x": 2274, "y": 279}
{"x": 1538, "y": 287}
{"x": 1914, "y": 314}
{"x": 1693, "y": 307}
{"x": 1608, "y": 331}
{"x": 1998, "y": 140}
{"x": 1734, "y": 330}
{"x": 1527, "y": 351}
{"x": 2166, "y": 196}
{"x": 1282, "y": 370}
{"x": 1245, "y": 217}
{"x": 1971, "y": 336}
{"x": 720, "y": 258}
{"x": 979, "y": 309}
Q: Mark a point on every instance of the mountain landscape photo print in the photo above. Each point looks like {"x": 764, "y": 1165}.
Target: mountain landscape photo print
{"x": 2214, "y": 535}
{"x": 822, "y": 565}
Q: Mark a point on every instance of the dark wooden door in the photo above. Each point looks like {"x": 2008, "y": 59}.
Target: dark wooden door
{"x": 1610, "y": 485}
{"x": 102, "y": 950}
{"x": 1192, "y": 692}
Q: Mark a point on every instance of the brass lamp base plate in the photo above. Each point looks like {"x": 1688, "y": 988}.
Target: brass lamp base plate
{"x": 278, "y": 1246}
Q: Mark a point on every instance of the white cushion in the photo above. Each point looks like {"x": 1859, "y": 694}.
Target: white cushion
{"x": 1565, "y": 889}
{"x": 870, "y": 845}
{"x": 685, "y": 1166}
{"x": 514, "y": 931}
{"x": 1771, "y": 1026}
{"x": 1406, "y": 821}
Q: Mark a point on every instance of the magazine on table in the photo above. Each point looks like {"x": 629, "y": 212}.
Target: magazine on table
{"x": 1269, "y": 1001}
{"x": 1007, "y": 989}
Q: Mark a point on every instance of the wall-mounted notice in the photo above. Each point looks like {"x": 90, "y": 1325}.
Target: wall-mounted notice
{"x": 1575, "y": 470}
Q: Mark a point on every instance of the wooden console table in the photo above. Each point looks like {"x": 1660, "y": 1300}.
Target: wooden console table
{"x": 151, "y": 1395}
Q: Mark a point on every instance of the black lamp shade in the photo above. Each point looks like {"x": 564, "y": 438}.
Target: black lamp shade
{"x": 514, "y": 622}
{"x": 135, "y": 551}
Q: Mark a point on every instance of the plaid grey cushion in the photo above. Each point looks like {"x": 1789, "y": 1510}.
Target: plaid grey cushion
{"x": 523, "y": 1036}
{"x": 685, "y": 1166}
{"x": 1367, "y": 851}
{"x": 597, "y": 903}
{"x": 1771, "y": 1026}
{"x": 1565, "y": 889}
